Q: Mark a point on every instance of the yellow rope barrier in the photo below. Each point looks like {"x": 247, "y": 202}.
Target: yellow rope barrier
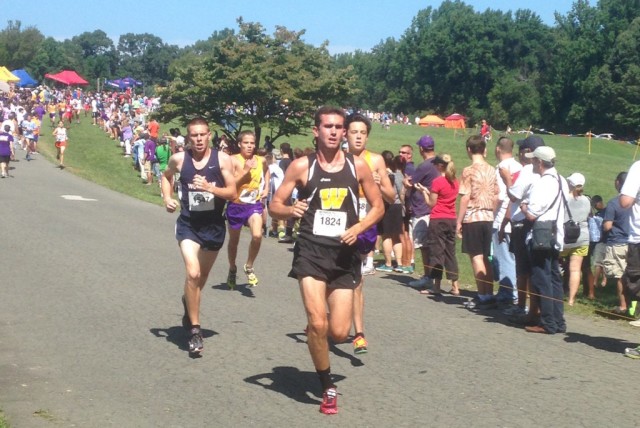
{"x": 529, "y": 292}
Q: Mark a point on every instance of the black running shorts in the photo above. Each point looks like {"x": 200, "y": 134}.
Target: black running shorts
{"x": 339, "y": 267}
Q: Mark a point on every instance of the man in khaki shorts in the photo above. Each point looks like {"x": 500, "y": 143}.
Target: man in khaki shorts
{"x": 615, "y": 226}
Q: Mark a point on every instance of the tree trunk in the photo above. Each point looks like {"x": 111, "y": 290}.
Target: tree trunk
{"x": 258, "y": 132}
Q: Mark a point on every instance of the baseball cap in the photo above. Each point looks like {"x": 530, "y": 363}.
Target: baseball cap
{"x": 544, "y": 153}
{"x": 426, "y": 142}
{"x": 576, "y": 179}
{"x": 532, "y": 142}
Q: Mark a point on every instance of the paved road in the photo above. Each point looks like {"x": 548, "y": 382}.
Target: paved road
{"x": 90, "y": 337}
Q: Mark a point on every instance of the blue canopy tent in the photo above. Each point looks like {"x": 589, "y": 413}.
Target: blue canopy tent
{"x": 131, "y": 82}
{"x": 25, "y": 79}
{"x": 115, "y": 84}
{"x": 124, "y": 83}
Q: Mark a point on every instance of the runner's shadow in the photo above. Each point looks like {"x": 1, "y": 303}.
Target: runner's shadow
{"x": 179, "y": 336}
{"x": 243, "y": 289}
{"x": 293, "y": 383}
{"x": 608, "y": 344}
{"x": 355, "y": 361}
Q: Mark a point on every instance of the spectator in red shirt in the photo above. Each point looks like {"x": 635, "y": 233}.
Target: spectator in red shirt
{"x": 485, "y": 130}
{"x": 154, "y": 129}
{"x": 441, "y": 239}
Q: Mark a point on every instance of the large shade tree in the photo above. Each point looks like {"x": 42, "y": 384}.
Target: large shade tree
{"x": 255, "y": 80}
{"x": 145, "y": 57}
{"x": 53, "y": 56}
{"x": 18, "y": 45}
{"x": 99, "y": 55}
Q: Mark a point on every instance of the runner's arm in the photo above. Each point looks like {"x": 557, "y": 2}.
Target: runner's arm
{"x": 381, "y": 178}
{"x": 266, "y": 178}
{"x": 173, "y": 166}
{"x": 374, "y": 198}
{"x": 229, "y": 191}
{"x": 241, "y": 174}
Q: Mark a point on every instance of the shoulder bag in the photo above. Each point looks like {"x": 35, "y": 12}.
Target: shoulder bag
{"x": 571, "y": 228}
{"x": 543, "y": 232}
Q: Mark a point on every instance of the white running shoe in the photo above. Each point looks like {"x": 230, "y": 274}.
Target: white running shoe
{"x": 368, "y": 270}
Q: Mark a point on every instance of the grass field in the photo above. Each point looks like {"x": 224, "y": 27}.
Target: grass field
{"x": 93, "y": 156}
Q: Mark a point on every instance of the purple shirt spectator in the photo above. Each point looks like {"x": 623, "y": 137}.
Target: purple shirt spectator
{"x": 6, "y": 140}
{"x": 39, "y": 111}
{"x": 150, "y": 151}
{"x": 127, "y": 133}
{"x": 424, "y": 174}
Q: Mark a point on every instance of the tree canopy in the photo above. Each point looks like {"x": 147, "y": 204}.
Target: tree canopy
{"x": 257, "y": 80}
{"x": 510, "y": 68}
{"x": 578, "y": 75}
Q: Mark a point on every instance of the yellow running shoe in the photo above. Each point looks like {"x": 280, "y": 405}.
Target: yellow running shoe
{"x": 251, "y": 276}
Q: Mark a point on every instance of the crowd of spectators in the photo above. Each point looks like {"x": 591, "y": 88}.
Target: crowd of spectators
{"x": 25, "y": 111}
{"x": 494, "y": 219}
{"x": 488, "y": 214}
{"x": 489, "y": 220}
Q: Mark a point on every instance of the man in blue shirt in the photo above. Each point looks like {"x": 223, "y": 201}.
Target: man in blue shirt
{"x": 615, "y": 226}
{"x": 424, "y": 174}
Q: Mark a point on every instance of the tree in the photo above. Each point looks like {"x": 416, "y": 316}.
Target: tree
{"x": 628, "y": 91}
{"x": 595, "y": 46}
{"x": 53, "y": 56}
{"x": 145, "y": 57}
{"x": 379, "y": 77}
{"x": 18, "y": 46}
{"x": 515, "y": 102}
{"x": 253, "y": 79}
{"x": 98, "y": 53}
{"x": 623, "y": 63}
{"x": 202, "y": 46}
{"x": 580, "y": 48}
{"x": 453, "y": 57}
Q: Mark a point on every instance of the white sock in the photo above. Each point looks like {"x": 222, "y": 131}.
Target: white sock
{"x": 369, "y": 262}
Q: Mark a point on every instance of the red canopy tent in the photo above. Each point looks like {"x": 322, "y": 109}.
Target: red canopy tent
{"x": 68, "y": 77}
{"x": 454, "y": 121}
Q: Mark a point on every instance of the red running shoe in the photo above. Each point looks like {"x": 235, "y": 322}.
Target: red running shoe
{"x": 329, "y": 404}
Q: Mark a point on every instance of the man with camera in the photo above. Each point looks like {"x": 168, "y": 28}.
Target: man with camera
{"x": 545, "y": 208}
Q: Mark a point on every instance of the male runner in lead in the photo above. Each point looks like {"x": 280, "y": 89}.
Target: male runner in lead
{"x": 206, "y": 180}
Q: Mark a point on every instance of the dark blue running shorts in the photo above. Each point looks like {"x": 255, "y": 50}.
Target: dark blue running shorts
{"x": 209, "y": 236}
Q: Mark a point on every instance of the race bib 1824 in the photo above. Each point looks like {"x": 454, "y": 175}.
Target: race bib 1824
{"x": 329, "y": 223}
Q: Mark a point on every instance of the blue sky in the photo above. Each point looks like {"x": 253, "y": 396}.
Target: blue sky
{"x": 347, "y": 25}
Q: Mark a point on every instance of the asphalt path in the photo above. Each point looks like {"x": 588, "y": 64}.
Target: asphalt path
{"x": 90, "y": 336}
